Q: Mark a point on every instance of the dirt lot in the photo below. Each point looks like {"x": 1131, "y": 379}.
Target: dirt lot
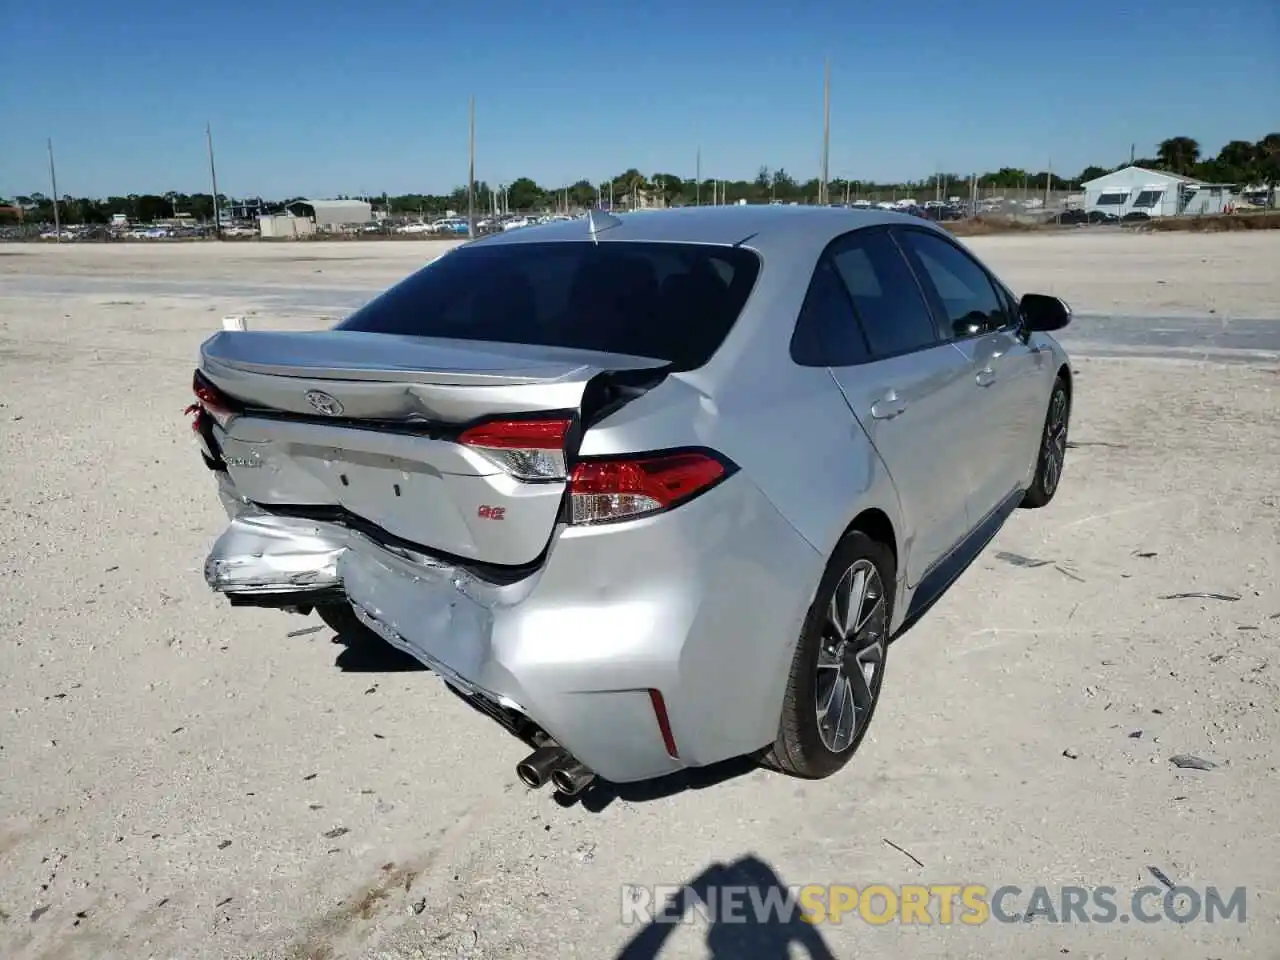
{"x": 181, "y": 780}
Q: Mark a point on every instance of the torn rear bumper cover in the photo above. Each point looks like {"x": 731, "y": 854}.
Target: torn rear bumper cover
{"x": 579, "y": 645}
{"x": 262, "y": 554}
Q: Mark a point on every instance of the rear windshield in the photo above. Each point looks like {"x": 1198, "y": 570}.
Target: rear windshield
{"x": 672, "y": 302}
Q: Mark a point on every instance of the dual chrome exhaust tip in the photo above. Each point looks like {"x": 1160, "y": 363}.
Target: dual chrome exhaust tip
{"x": 553, "y": 765}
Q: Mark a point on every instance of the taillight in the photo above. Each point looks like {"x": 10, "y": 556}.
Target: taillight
{"x": 216, "y": 403}
{"x": 625, "y": 488}
{"x": 527, "y": 449}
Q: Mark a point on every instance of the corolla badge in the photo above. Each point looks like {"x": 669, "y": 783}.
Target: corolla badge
{"x": 324, "y": 403}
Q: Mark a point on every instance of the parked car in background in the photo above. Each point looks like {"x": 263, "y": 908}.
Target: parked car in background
{"x": 455, "y": 225}
{"x": 654, "y": 491}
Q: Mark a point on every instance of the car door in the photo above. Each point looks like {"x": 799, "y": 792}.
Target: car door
{"x": 981, "y": 326}
{"x": 908, "y": 388}
{"x": 1033, "y": 371}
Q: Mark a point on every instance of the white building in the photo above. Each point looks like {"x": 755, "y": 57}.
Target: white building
{"x": 284, "y": 226}
{"x": 1156, "y": 193}
{"x": 333, "y": 213}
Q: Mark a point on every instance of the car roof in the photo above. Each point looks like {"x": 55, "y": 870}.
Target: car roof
{"x": 759, "y": 226}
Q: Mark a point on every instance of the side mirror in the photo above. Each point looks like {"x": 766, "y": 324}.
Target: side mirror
{"x": 1042, "y": 313}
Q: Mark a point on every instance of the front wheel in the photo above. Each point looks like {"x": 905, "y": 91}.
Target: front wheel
{"x": 838, "y": 668}
{"x": 1053, "y": 448}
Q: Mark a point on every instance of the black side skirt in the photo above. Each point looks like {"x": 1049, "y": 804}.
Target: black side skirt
{"x": 947, "y": 571}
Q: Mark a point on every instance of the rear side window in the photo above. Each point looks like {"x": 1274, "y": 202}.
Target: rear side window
{"x": 967, "y": 295}
{"x": 885, "y": 294}
{"x": 668, "y": 301}
{"x": 827, "y": 333}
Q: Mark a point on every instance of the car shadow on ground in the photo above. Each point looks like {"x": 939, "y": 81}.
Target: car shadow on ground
{"x": 364, "y": 653}
{"x": 750, "y": 915}
{"x": 601, "y": 793}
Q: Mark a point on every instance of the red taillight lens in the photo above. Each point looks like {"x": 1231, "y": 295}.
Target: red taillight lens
{"x": 527, "y": 449}
{"x": 626, "y": 488}
{"x": 218, "y": 404}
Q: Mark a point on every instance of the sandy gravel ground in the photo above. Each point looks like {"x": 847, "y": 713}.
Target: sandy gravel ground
{"x": 181, "y": 780}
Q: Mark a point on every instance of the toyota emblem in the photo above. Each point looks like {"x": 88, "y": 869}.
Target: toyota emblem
{"x": 321, "y": 401}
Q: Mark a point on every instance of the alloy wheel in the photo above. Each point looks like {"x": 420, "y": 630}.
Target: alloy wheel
{"x": 851, "y": 657}
{"x": 1055, "y": 441}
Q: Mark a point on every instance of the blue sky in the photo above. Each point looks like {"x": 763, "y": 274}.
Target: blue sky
{"x": 331, "y": 96}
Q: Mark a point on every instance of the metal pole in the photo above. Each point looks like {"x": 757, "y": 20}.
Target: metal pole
{"x": 53, "y": 177}
{"x": 213, "y": 176}
{"x": 471, "y": 175}
{"x": 826, "y": 132}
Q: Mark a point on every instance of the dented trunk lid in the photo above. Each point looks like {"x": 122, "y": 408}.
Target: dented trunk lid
{"x": 362, "y": 428}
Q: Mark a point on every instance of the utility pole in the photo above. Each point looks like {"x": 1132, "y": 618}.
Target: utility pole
{"x": 826, "y": 132}
{"x": 471, "y": 175}
{"x": 213, "y": 176}
{"x": 53, "y": 177}
{"x": 697, "y": 179}
{"x": 1048, "y": 186}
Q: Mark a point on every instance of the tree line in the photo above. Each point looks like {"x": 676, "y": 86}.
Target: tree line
{"x": 1239, "y": 162}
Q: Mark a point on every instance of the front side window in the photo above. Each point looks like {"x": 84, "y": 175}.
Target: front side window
{"x": 962, "y": 286}
{"x": 669, "y": 301}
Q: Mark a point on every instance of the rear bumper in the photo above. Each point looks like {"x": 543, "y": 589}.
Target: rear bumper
{"x": 274, "y": 555}
{"x": 702, "y": 604}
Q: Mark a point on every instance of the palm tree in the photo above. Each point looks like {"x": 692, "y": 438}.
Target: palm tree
{"x": 1178, "y": 154}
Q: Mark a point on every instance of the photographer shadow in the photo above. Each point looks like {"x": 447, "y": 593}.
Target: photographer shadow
{"x": 767, "y": 934}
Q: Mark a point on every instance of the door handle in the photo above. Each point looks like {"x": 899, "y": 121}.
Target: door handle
{"x": 986, "y": 377}
{"x": 888, "y": 406}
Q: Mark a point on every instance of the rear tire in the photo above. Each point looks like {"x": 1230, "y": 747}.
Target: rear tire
{"x": 839, "y": 662}
{"x": 1052, "y": 458}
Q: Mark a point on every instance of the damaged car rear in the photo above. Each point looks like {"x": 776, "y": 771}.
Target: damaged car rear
{"x": 577, "y": 471}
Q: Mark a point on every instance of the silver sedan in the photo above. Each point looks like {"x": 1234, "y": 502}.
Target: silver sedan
{"x": 652, "y": 491}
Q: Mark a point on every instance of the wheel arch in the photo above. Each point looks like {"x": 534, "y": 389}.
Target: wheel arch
{"x": 875, "y": 523}
{"x": 1064, "y": 372}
